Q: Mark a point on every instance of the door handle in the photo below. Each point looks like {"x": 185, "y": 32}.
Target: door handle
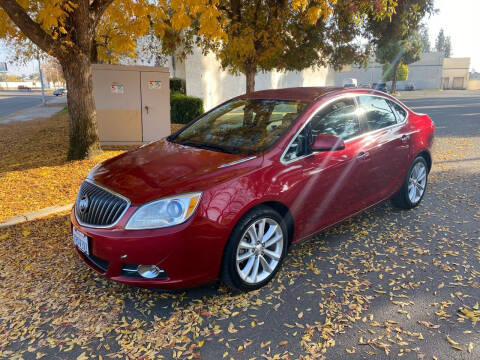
{"x": 363, "y": 155}
{"x": 146, "y": 108}
{"x": 405, "y": 138}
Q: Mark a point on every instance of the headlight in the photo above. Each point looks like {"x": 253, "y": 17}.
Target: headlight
{"x": 165, "y": 212}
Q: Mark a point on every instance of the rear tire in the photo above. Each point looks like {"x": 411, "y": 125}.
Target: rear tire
{"x": 414, "y": 185}
{"x": 255, "y": 250}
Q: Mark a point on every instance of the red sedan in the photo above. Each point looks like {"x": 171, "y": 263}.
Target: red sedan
{"x": 227, "y": 195}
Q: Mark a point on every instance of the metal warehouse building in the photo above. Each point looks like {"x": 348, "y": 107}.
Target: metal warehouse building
{"x": 425, "y": 74}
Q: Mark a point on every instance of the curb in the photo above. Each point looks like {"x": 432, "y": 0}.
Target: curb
{"x": 34, "y": 215}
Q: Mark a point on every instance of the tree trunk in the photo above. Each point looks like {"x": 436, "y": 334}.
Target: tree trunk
{"x": 94, "y": 53}
{"x": 394, "y": 77}
{"x": 250, "y": 73}
{"x": 81, "y": 108}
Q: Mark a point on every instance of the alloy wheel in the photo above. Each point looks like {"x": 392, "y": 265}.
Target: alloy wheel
{"x": 417, "y": 182}
{"x": 259, "y": 251}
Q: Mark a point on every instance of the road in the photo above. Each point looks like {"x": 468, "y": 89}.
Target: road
{"x": 387, "y": 283}
{"x": 13, "y": 101}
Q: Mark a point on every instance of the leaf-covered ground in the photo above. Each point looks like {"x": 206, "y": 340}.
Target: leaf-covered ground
{"x": 34, "y": 172}
{"x": 387, "y": 283}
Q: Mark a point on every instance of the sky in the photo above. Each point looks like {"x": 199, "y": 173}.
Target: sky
{"x": 459, "y": 19}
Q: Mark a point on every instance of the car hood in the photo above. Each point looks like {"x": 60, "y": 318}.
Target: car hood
{"x": 164, "y": 168}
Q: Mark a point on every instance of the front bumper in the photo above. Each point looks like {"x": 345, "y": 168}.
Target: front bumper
{"x": 190, "y": 254}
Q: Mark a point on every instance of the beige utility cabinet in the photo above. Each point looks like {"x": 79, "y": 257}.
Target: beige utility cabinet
{"x": 132, "y": 102}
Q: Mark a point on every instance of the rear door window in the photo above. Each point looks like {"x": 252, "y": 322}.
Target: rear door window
{"x": 377, "y": 112}
{"x": 400, "y": 111}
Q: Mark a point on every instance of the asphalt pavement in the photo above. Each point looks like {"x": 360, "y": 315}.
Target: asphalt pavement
{"x": 12, "y": 101}
{"x": 385, "y": 284}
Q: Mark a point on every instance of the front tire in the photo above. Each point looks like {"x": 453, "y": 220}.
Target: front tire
{"x": 414, "y": 186}
{"x": 255, "y": 250}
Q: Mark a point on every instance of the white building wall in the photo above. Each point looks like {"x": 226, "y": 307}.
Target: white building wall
{"x": 16, "y": 84}
{"x": 424, "y": 74}
{"x": 455, "y": 68}
{"x": 205, "y": 79}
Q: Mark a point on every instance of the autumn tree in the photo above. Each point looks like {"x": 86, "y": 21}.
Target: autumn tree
{"x": 401, "y": 75}
{"x": 249, "y": 36}
{"x": 397, "y": 39}
{"x": 118, "y": 31}
{"x": 64, "y": 30}
{"x": 75, "y": 32}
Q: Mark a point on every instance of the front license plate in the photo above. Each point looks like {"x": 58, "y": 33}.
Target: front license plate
{"x": 81, "y": 241}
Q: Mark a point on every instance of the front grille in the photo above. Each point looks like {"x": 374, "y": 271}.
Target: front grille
{"x": 97, "y": 206}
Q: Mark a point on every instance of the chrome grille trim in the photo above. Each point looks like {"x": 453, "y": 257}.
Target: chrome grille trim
{"x": 106, "y": 208}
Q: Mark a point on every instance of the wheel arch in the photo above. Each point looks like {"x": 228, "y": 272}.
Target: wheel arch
{"x": 285, "y": 213}
{"x": 280, "y": 208}
{"x": 428, "y": 158}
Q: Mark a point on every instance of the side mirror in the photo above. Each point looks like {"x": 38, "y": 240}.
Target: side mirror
{"x": 327, "y": 142}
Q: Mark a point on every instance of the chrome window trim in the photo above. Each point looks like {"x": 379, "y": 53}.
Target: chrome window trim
{"x": 111, "y": 192}
{"x": 339, "y": 97}
{"x": 236, "y": 162}
{"x": 394, "y": 112}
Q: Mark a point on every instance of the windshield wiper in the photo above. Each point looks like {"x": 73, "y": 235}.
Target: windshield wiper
{"x": 206, "y": 146}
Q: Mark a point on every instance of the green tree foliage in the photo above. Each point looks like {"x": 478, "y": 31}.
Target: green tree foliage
{"x": 443, "y": 44}
{"x": 398, "y": 40}
{"x": 426, "y": 47}
{"x": 402, "y": 72}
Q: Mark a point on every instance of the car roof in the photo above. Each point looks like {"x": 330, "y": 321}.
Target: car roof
{"x": 294, "y": 93}
{"x": 311, "y": 94}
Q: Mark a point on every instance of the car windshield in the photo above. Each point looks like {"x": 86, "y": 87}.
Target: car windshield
{"x": 242, "y": 126}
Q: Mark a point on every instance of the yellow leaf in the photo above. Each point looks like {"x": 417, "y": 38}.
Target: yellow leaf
{"x": 231, "y": 329}
{"x": 451, "y": 341}
{"x": 200, "y": 343}
{"x": 82, "y": 356}
{"x": 4, "y": 236}
{"x": 470, "y": 347}
{"x": 26, "y": 233}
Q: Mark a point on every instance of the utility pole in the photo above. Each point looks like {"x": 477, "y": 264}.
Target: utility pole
{"x": 41, "y": 82}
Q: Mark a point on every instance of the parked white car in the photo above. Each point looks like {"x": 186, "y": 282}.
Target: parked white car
{"x": 350, "y": 83}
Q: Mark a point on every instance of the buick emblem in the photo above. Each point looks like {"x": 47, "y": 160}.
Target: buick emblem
{"x": 83, "y": 205}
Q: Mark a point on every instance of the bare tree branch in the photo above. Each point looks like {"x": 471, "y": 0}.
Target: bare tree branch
{"x": 30, "y": 28}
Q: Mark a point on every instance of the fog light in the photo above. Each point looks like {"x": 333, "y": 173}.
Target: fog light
{"x": 148, "y": 271}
